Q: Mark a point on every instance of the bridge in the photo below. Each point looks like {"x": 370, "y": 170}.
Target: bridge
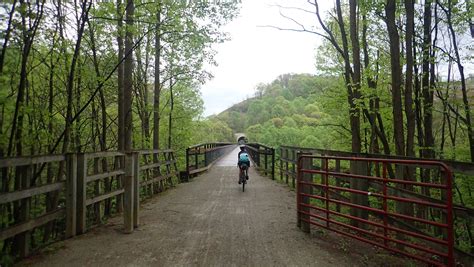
{"x": 138, "y": 208}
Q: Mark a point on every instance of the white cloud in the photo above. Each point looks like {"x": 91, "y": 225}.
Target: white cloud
{"x": 259, "y": 54}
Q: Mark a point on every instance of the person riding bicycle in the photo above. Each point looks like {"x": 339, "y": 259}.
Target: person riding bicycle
{"x": 243, "y": 161}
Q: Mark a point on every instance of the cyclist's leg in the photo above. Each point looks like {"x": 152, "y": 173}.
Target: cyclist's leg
{"x": 240, "y": 174}
{"x": 247, "y": 171}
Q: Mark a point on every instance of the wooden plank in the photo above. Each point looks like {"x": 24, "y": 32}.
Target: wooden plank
{"x": 93, "y": 200}
{"x": 71, "y": 194}
{"x": 21, "y": 161}
{"x": 128, "y": 194}
{"x": 103, "y": 154}
{"x": 288, "y": 160}
{"x": 103, "y": 175}
{"x": 154, "y": 165}
{"x": 23, "y": 238}
{"x": 149, "y": 166}
{"x": 154, "y": 151}
{"x": 30, "y": 224}
{"x": 199, "y": 170}
{"x": 32, "y": 191}
{"x": 136, "y": 187}
{"x": 81, "y": 194}
{"x": 158, "y": 178}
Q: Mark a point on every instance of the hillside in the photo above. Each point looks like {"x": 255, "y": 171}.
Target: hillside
{"x": 294, "y": 109}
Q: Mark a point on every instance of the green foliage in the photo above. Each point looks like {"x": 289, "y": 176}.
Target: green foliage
{"x": 295, "y": 109}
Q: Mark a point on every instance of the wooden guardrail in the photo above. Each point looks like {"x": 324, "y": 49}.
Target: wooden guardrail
{"x": 18, "y": 216}
{"x": 52, "y": 197}
{"x": 264, "y": 158}
{"x": 157, "y": 170}
{"x": 201, "y": 157}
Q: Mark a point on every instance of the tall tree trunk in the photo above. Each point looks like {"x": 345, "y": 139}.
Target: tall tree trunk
{"x": 28, "y": 37}
{"x": 170, "y": 118}
{"x": 354, "y": 112}
{"x": 6, "y": 39}
{"x": 146, "y": 126}
{"x": 390, "y": 10}
{"x": 418, "y": 109}
{"x": 396, "y": 79}
{"x": 360, "y": 167}
{"x": 157, "y": 86}
{"x": 128, "y": 81}
{"x": 409, "y": 112}
{"x": 49, "y": 170}
{"x": 120, "y": 75}
{"x": 465, "y": 99}
{"x": 428, "y": 145}
{"x": 103, "y": 131}
{"x": 16, "y": 134}
{"x": 70, "y": 82}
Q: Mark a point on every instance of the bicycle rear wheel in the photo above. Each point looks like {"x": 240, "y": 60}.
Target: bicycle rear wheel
{"x": 243, "y": 179}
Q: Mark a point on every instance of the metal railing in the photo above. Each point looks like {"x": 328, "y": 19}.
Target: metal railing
{"x": 200, "y": 158}
{"x": 463, "y": 173}
{"x": 264, "y": 158}
{"x": 338, "y": 200}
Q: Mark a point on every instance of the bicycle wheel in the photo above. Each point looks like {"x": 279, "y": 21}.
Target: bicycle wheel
{"x": 242, "y": 179}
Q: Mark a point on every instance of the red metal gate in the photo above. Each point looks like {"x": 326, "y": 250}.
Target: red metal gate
{"x": 380, "y": 201}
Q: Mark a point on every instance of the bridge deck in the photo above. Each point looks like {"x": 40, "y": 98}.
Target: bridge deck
{"x": 206, "y": 222}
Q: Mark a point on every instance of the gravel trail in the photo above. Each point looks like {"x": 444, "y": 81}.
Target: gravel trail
{"x": 206, "y": 222}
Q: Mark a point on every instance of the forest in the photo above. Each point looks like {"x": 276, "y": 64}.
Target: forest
{"x": 75, "y": 77}
{"x": 89, "y": 76}
{"x": 391, "y": 77}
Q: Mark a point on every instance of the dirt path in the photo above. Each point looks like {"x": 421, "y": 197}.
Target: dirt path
{"x": 206, "y": 222}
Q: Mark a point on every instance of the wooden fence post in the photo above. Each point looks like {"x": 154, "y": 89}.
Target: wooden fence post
{"x": 303, "y": 212}
{"x": 266, "y": 161}
{"x": 293, "y": 165}
{"x": 281, "y": 163}
{"x": 136, "y": 187}
{"x": 26, "y": 173}
{"x": 273, "y": 164}
{"x": 128, "y": 193}
{"x": 81, "y": 193}
{"x": 71, "y": 194}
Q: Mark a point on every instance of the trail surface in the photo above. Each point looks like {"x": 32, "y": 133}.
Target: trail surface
{"x": 206, "y": 222}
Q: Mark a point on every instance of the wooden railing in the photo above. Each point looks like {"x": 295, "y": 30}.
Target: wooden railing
{"x": 264, "y": 158}
{"x": 157, "y": 170}
{"x": 45, "y": 198}
{"x": 20, "y": 214}
{"x": 200, "y": 158}
{"x": 463, "y": 172}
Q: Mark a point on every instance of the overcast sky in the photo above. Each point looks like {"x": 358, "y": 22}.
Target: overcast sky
{"x": 259, "y": 54}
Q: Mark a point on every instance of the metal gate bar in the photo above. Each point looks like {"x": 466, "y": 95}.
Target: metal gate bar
{"x": 433, "y": 249}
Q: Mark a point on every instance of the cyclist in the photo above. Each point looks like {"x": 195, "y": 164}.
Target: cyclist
{"x": 243, "y": 161}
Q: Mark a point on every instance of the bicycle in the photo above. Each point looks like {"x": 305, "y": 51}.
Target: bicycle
{"x": 243, "y": 174}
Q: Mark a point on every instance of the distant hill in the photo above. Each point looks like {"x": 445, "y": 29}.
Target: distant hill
{"x": 287, "y": 110}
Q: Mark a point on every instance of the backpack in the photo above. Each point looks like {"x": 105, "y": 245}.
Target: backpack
{"x": 244, "y": 157}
